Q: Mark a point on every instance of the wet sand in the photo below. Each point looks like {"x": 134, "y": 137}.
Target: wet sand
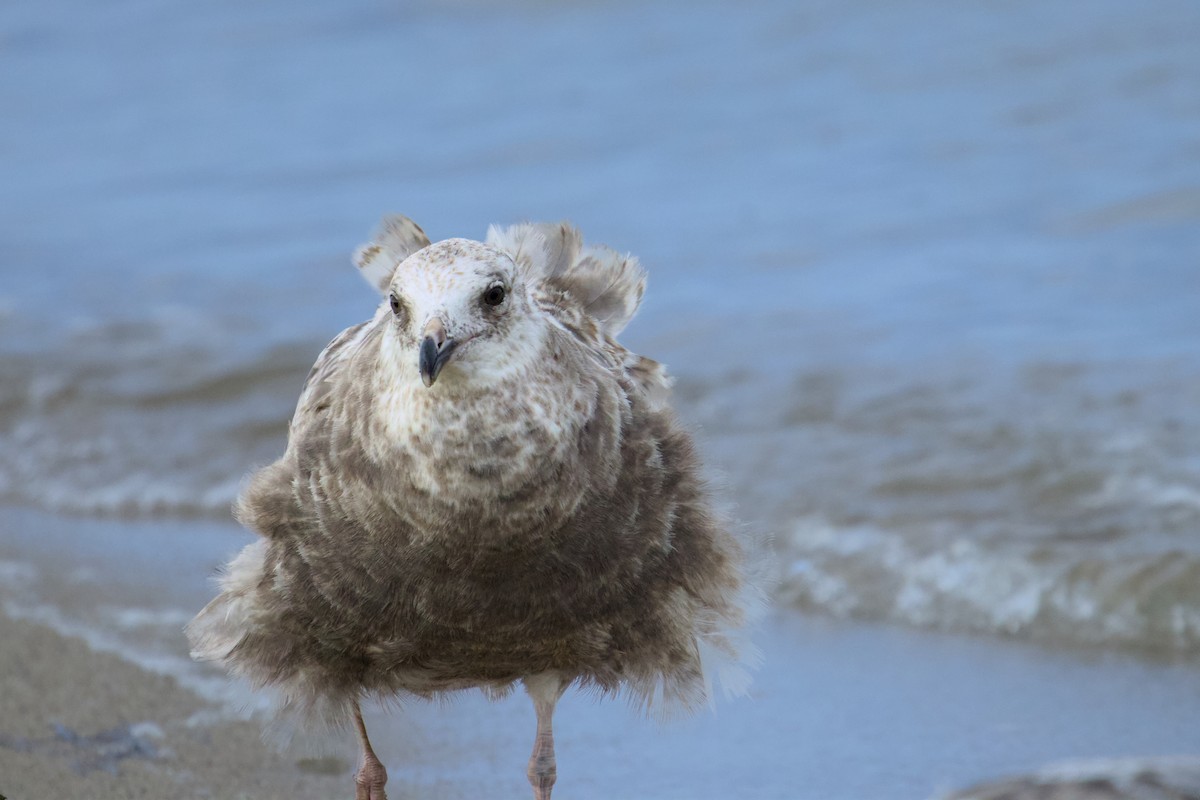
{"x": 75, "y": 723}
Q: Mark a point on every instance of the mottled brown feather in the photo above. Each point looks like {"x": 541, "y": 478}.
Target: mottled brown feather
{"x": 583, "y": 544}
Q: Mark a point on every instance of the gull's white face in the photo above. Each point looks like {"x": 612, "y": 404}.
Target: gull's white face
{"x": 460, "y": 313}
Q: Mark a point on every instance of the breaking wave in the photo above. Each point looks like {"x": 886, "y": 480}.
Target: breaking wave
{"x": 1048, "y": 592}
{"x": 1051, "y": 502}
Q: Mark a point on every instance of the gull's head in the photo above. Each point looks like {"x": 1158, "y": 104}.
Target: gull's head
{"x": 460, "y": 311}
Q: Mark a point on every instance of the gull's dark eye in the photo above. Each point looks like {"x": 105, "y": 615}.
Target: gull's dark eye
{"x": 494, "y": 296}
{"x": 394, "y": 302}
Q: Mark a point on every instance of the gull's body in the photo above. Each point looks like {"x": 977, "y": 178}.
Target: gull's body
{"x": 476, "y": 493}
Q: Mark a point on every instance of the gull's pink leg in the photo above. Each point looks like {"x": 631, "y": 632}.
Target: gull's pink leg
{"x": 371, "y": 776}
{"x": 545, "y": 690}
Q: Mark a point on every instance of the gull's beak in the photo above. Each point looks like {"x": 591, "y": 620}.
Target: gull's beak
{"x": 436, "y": 348}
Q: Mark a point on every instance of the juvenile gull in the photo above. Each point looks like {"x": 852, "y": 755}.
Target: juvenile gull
{"x": 480, "y": 487}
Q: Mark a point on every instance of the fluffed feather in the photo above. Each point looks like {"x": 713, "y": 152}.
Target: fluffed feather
{"x": 397, "y": 238}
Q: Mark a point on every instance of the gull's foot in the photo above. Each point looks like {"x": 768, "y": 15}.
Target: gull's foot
{"x": 542, "y": 788}
{"x": 369, "y": 779}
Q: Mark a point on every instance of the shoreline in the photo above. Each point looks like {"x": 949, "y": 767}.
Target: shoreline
{"x": 79, "y": 723}
{"x": 91, "y": 615}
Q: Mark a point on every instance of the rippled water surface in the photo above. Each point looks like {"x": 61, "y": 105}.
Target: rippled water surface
{"x": 928, "y": 275}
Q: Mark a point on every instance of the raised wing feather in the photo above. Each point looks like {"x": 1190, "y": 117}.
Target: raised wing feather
{"x": 607, "y": 286}
{"x": 397, "y": 238}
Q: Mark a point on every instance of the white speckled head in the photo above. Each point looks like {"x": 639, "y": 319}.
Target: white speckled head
{"x": 460, "y": 312}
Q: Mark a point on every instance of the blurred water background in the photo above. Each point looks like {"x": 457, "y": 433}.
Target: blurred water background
{"x": 928, "y": 274}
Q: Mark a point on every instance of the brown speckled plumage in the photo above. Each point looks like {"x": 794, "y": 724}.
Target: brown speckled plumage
{"x": 536, "y": 510}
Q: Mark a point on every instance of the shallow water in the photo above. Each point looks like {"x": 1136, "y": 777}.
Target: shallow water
{"x": 929, "y": 276}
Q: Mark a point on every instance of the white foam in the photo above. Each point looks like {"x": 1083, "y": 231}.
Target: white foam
{"x": 1144, "y": 489}
{"x": 148, "y": 617}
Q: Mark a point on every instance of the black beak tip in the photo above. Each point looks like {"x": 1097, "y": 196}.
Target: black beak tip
{"x": 428, "y": 362}
{"x": 433, "y": 357}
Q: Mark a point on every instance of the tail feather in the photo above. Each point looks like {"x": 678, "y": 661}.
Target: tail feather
{"x": 225, "y": 621}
